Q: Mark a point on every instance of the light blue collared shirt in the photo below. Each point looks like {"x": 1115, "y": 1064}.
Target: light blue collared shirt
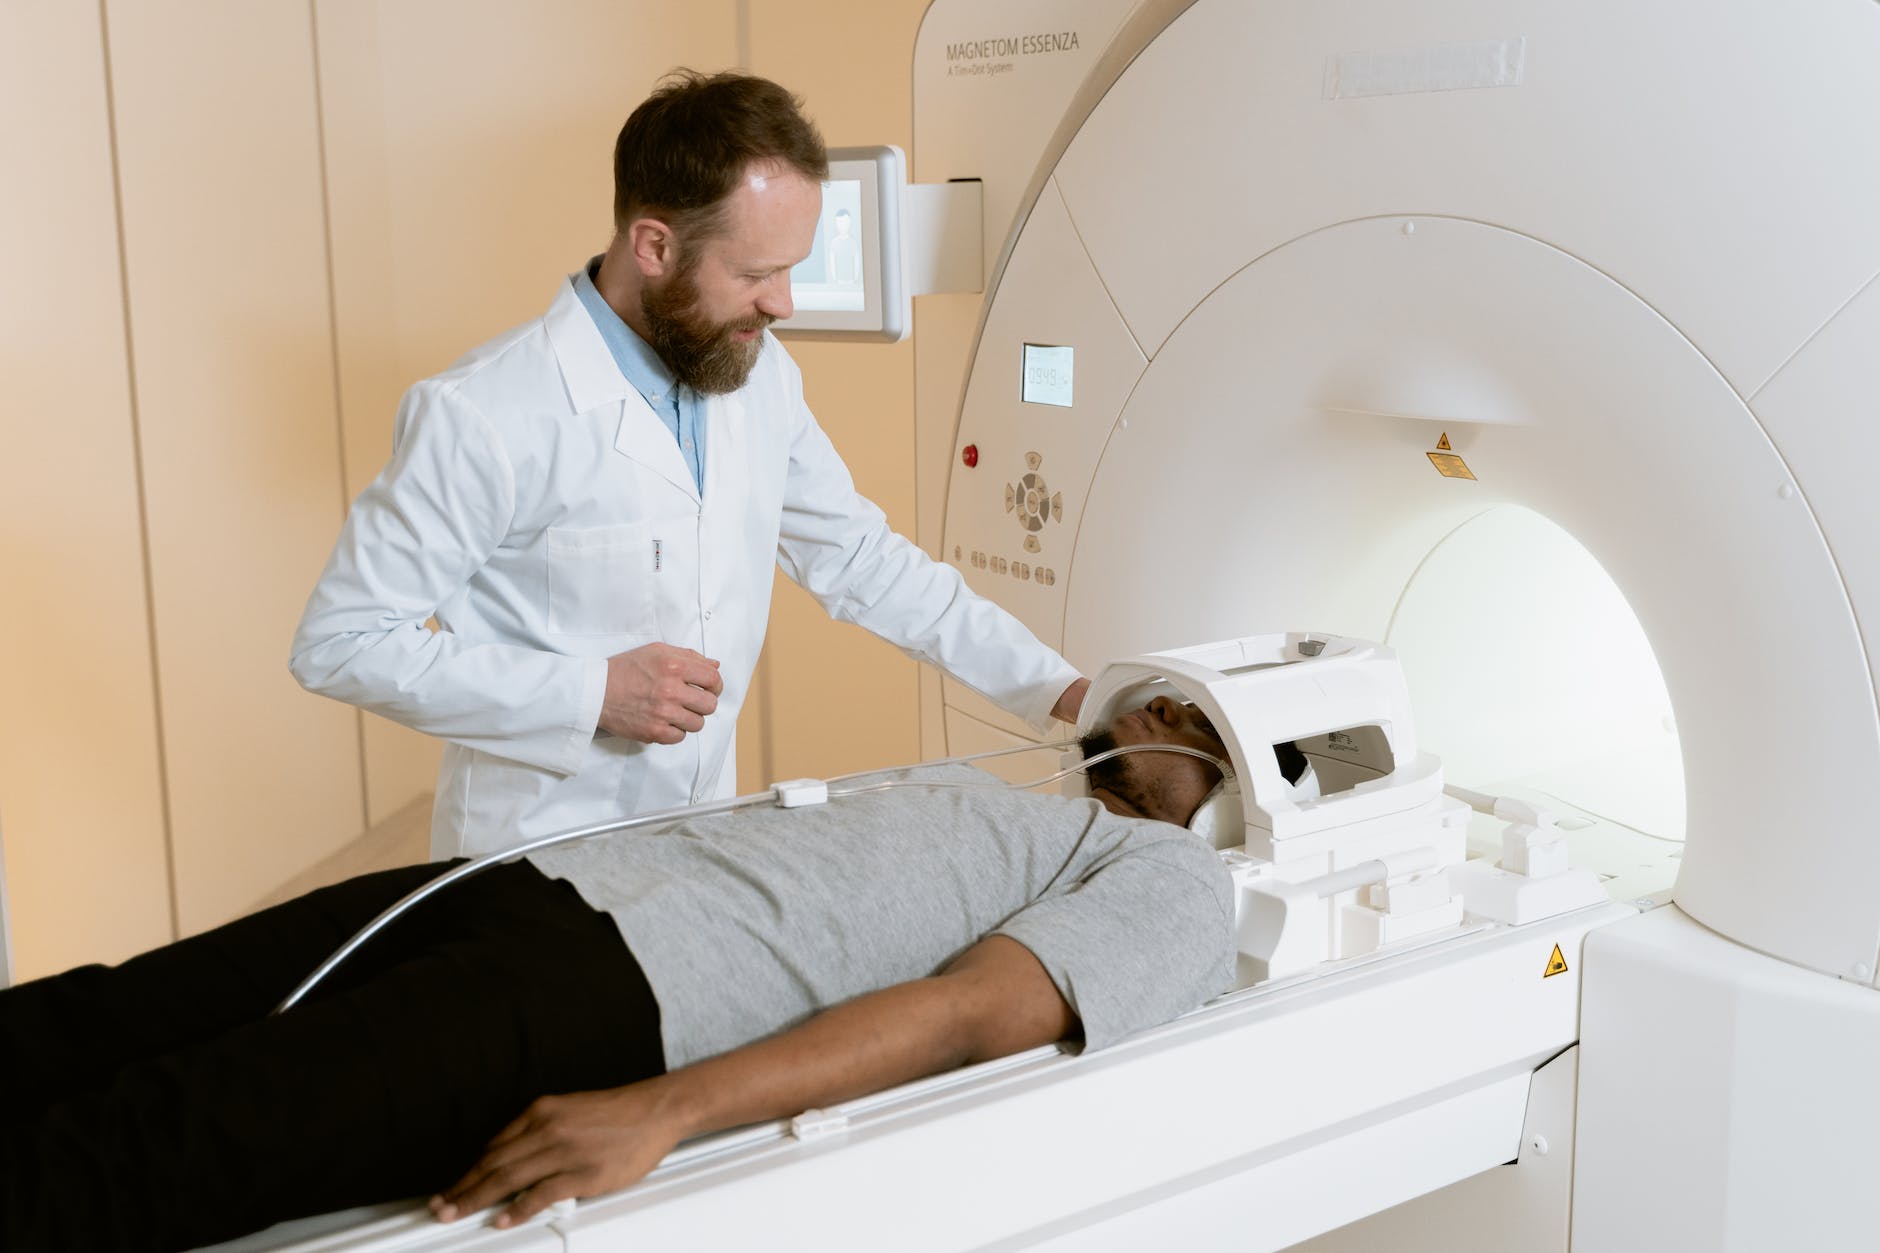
{"x": 678, "y": 406}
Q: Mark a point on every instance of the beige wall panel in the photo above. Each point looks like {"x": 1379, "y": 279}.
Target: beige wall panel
{"x": 468, "y": 157}
{"x": 81, "y": 811}
{"x": 399, "y": 764}
{"x": 225, "y": 253}
{"x": 838, "y": 698}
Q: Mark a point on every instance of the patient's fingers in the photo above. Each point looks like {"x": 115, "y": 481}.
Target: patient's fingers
{"x": 538, "y": 1197}
{"x": 524, "y": 1140}
{"x": 500, "y": 1175}
{"x": 563, "y": 1146}
{"x": 531, "y": 1132}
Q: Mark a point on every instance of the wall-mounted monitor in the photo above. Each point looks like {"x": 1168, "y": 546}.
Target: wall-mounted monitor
{"x": 853, "y": 283}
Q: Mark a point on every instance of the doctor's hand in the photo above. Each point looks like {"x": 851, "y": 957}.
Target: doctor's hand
{"x": 1071, "y": 701}
{"x": 579, "y": 1145}
{"x": 657, "y": 693}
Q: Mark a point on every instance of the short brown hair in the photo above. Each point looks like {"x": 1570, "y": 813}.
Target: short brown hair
{"x": 683, "y": 150}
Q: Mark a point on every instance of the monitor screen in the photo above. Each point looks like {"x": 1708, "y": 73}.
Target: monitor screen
{"x": 831, "y": 276}
{"x": 851, "y": 285}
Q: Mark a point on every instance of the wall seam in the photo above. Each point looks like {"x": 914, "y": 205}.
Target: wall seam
{"x": 760, "y": 689}
{"x": 339, "y": 395}
{"x": 137, "y": 461}
{"x": 936, "y": 550}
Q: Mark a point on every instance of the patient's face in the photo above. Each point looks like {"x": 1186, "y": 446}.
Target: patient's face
{"x": 1164, "y": 786}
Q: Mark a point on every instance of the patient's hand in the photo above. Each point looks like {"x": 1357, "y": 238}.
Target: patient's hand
{"x": 994, "y": 999}
{"x": 566, "y": 1146}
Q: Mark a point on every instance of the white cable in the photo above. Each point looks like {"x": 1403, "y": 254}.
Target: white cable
{"x": 477, "y": 866}
{"x": 1060, "y": 745}
{"x": 785, "y": 795}
{"x": 1120, "y": 750}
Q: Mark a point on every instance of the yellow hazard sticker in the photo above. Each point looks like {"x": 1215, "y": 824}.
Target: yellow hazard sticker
{"x": 1442, "y": 445}
{"x": 1449, "y": 465}
{"x": 1556, "y": 964}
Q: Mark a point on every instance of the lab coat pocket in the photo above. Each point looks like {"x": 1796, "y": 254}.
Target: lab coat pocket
{"x": 600, "y": 580}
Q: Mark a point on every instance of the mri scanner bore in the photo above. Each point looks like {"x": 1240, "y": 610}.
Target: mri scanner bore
{"x": 1298, "y": 248}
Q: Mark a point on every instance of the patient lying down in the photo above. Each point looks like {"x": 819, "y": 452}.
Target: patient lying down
{"x": 554, "y": 1027}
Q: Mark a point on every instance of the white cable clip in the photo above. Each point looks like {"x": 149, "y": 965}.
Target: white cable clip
{"x": 813, "y": 1124}
{"x": 794, "y": 792}
{"x": 561, "y": 1216}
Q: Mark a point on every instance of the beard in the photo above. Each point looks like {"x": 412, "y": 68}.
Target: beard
{"x": 1111, "y": 775}
{"x": 706, "y": 356}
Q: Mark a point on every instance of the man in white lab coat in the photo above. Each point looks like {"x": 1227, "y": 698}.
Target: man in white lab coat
{"x": 590, "y": 506}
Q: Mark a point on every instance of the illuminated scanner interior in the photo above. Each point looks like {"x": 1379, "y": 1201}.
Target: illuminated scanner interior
{"x": 1561, "y": 435}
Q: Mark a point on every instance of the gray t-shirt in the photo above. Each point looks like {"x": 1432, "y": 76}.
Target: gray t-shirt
{"x": 748, "y": 923}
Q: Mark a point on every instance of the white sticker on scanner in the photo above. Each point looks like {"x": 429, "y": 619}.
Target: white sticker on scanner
{"x": 1453, "y": 67}
{"x": 1048, "y": 375}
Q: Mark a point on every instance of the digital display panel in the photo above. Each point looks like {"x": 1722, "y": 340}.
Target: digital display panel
{"x": 833, "y": 276}
{"x": 1048, "y": 374}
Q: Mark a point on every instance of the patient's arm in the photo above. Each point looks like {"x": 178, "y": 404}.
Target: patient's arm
{"x": 994, "y": 1000}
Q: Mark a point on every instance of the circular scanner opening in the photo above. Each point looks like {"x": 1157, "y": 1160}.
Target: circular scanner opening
{"x": 1530, "y": 675}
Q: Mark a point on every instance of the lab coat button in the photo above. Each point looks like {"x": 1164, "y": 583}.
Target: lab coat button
{"x": 708, "y": 615}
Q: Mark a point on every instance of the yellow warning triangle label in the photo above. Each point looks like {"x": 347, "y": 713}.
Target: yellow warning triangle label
{"x": 1442, "y": 445}
{"x": 1556, "y": 965}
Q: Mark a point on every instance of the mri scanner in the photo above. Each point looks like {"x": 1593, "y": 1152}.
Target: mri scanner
{"x": 1539, "y": 343}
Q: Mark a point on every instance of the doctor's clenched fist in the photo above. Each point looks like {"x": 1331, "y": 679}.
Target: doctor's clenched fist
{"x": 658, "y": 692}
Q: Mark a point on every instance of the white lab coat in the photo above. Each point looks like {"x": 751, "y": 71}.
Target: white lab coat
{"x": 537, "y": 507}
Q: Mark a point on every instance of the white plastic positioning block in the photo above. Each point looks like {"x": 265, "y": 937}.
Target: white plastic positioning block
{"x": 1364, "y": 930}
{"x": 1282, "y": 927}
{"x": 1536, "y": 852}
{"x": 794, "y": 792}
{"x": 812, "y": 1124}
{"x": 1490, "y": 892}
{"x": 1412, "y": 894}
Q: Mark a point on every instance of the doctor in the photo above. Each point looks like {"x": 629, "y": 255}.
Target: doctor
{"x": 590, "y": 507}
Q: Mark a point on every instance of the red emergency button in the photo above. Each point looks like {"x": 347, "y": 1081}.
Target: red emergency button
{"x": 970, "y": 455}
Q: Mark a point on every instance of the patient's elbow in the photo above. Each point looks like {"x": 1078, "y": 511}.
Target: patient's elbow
{"x": 1005, "y": 1002}
{"x": 1002, "y": 1031}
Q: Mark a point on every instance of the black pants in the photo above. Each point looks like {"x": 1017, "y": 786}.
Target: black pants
{"x": 158, "y": 1105}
